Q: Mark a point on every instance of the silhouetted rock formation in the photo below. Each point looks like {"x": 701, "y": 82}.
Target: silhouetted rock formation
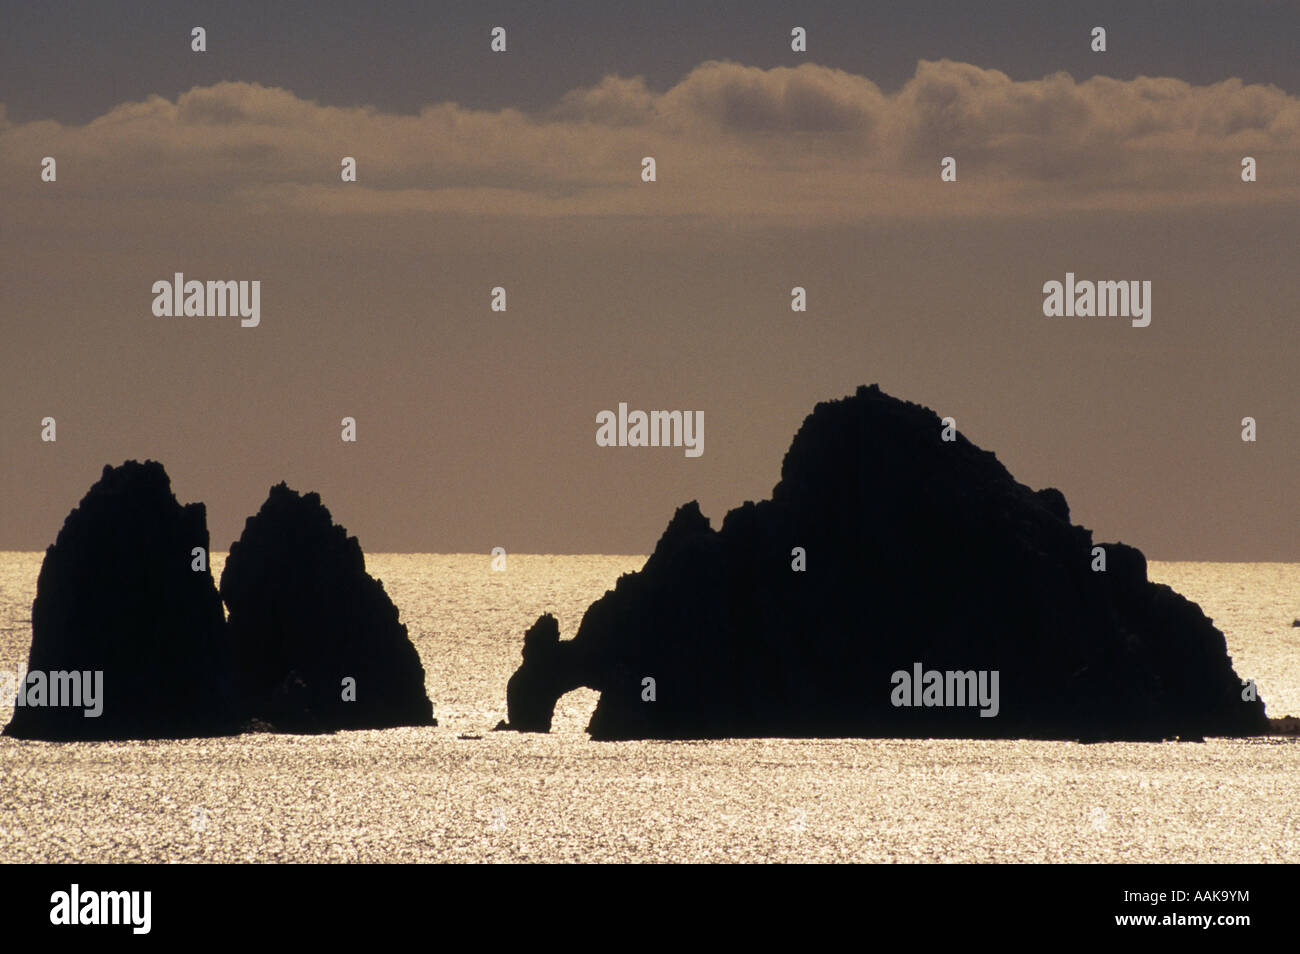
{"x": 305, "y": 616}
{"x": 117, "y": 594}
{"x": 548, "y": 673}
{"x": 917, "y": 551}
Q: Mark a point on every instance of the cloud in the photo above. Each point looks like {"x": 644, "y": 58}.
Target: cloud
{"x": 614, "y": 101}
{"x": 741, "y": 99}
{"x": 805, "y": 144}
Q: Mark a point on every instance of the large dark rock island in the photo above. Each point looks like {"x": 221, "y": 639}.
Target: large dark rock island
{"x": 921, "y": 555}
{"x": 317, "y": 642}
{"x": 123, "y": 623}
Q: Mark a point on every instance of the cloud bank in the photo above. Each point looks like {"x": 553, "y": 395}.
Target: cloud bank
{"x": 808, "y": 144}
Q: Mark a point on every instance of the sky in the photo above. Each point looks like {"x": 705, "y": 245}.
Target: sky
{"x": 523, "y": 170}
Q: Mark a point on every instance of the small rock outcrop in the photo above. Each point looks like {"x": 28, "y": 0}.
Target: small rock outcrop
{"x": 317, "y": 642}
{"x": 547, "y": 673}
{"x": 123, "y": 621}
{"x": 888, "y": 552}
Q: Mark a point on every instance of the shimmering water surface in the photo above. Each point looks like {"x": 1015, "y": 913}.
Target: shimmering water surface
{"x": 427, "y": 795}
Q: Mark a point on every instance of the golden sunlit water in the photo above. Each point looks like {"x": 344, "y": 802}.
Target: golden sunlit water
{"x": 426, "y": 794}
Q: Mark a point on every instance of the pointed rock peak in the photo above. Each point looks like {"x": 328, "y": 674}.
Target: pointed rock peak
{"x": 687, "y": 524}
{"x": 298, "y": 526}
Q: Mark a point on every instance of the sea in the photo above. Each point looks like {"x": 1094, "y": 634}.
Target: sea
{"x": 460, "y": 792}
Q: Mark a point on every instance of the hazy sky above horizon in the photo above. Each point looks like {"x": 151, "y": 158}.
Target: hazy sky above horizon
{"x": 522, "y": 169}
